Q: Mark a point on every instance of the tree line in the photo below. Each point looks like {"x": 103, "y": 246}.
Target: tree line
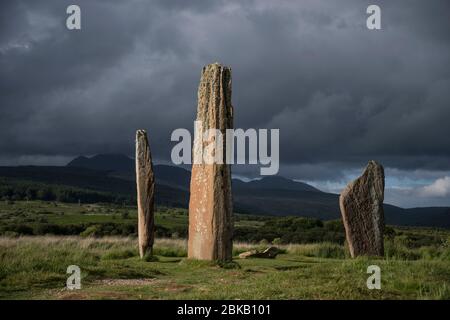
{"x": 24, "y": 190}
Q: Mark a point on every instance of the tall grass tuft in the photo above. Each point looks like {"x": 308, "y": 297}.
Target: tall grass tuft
{"x": 319, "y": 250}
{"x": 397, "y": 249}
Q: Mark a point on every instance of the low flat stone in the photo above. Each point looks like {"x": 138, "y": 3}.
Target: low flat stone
{"x": 269, "y": 253}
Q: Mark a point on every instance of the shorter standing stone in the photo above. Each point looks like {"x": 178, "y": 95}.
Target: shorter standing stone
{"x": 361, "y": 204}
{"x": 145, "y": 183}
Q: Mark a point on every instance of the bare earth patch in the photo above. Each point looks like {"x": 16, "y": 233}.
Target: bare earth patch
{"x": 175, "y": 287}
{"x": 125, "y": 282}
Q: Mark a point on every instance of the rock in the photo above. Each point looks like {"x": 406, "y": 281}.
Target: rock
{"x": 145, "y": 183}
{"x": 210, "y": 204}
{"x": 269, "y": 253}
{"x": 248, "y": 254}
{"x": 361, "y": 204}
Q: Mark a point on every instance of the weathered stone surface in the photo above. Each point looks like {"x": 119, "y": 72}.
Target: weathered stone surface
{"x": 145, "y": 194}
{"x": 210, "y": 204}
{"x": 269, "y": 253}
{"x": 361, "y": 204}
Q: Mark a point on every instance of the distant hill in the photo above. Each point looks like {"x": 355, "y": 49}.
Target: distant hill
{"x": 271, "y": 195}
{"x": 175, "y": 177}
{"x": 274, "y": 182}
{"x": 119, "y": 165}
{"x": 104, "y": 162}
{"x": 123, "y": 167}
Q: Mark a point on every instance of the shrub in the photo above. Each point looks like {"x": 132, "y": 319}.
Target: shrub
{"x": 91, "y": 231}
{"x": 22, "y": 229}
{"x": 397, "y": 249}
{"x": 430, "y": 253}
{"x": 276, "y": 241}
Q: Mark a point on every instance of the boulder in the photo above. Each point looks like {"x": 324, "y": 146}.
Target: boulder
{"x": 269, "y": 253}
{"x": 361, "y": 204}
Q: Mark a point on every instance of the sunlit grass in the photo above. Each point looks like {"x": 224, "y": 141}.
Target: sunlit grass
{"x": 35, "y": 267}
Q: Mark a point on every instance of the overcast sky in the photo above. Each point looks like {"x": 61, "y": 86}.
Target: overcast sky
{"x": 340, "y": 94}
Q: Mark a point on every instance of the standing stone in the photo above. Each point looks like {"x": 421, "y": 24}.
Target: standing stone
{"x": 145, "y": 194}
{"x": 210, "y": 204}
{"x": 361, "y": 204}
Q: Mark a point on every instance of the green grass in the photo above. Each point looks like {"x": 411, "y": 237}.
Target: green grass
{"x": 416, "y": 263}
{"x": 49, "y": 218}
{"x": 35, "y": 268}
{"x": 320, "y": 250}
{"x": 84, "y": 219}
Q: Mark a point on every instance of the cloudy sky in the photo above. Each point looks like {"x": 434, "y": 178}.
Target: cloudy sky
{"x": 339, "y": 93}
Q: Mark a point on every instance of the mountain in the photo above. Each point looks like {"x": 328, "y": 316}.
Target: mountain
{"x": 429, "y": 216}
{"x": 122, "y": 167}
{"x": 70, "y": 176}
{"x": 118, "y": 165}
{"x": 274, "y": 182}
{"x": 104, "y": 162}
{"x": 175, "y": 177}
{"x": 272, "y": 195}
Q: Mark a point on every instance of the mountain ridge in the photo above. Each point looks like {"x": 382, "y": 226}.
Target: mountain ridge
{"x": 277, "y": 196}
{"x": 107, "y": 162}
{"x": 121, "y": 165}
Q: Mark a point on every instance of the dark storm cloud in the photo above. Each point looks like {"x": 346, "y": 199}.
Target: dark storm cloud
{"x": 339, "y": 93}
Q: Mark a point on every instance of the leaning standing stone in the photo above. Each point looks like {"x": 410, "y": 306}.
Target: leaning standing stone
{"x": 210, "y": 204}
{"x": 361, "y": 204}
{"x": 145, "y": 194}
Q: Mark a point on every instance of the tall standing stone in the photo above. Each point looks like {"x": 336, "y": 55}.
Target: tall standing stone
{"x": 361, "y": 204}
{"x": 210, "y": 204}
{"x": 145, "y": 194}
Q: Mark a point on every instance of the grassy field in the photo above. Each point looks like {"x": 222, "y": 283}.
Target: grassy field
{"x": 39, "y": 240}
{"x": 28, "y": 217}
{"x": 35, "y": 268}
{"x": 55, "y": 218}
{"x": 69, "y": 213}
